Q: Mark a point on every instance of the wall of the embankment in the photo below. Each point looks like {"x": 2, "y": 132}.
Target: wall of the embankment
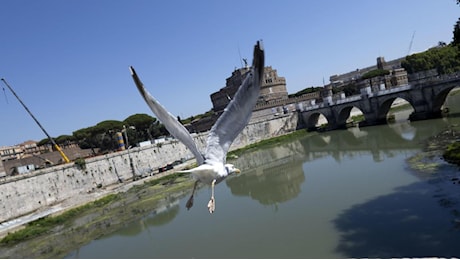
{"x": 35, "y": 191}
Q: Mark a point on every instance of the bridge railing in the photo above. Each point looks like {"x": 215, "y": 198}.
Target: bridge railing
{"x": 348, "y": 99}
{"x": 356, "y": 98}
{"x": 308, "y": 108}
{"x": 436, "y": 79}
{"x": 393, "y": 90}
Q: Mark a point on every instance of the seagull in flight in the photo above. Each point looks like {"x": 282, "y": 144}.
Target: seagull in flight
{"x": 212, "y": 167}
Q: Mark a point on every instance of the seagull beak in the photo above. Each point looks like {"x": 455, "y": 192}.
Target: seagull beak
{"x": 237, "y": 171}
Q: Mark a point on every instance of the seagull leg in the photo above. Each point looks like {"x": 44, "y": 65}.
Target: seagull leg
{"x": 189, "y": 203}
{"x": 212, "y": 201}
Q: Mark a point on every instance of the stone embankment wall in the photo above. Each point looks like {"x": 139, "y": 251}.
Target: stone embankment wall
{"x": 38, "y": 190}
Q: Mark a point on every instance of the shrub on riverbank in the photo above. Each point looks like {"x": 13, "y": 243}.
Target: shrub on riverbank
{"x": 46, "y": 224}
{"x": 49, "y": 223}
{"x": 444, "y": 144}
{"x": 452, "y": 153}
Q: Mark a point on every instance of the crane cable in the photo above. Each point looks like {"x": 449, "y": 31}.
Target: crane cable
{"x": 56, "y": 146}
{"x": 4, "y": 93}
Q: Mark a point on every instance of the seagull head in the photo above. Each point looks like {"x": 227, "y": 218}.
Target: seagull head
{"x": 231, "y": 168}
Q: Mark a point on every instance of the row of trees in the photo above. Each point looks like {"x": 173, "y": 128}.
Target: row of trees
{"x": 138, "y": 127}
{"x": 445, "y": 59}
{"x": 305, "y": 91}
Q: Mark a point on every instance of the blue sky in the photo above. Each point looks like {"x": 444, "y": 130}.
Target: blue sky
{"x": 68, "y": 60}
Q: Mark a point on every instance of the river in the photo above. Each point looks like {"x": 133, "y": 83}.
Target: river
{"x": 338, "y": 194}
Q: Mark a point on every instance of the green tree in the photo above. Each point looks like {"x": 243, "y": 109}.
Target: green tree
{"x": 43, "y": 142}
{"x": 305, "y": 91}
{"x": 101, "y": 136}
{"x": 64, "y": 139}
{"x": 443, "y": 59}
{"x": 107, "y": 125}
{"x": 104, "y": 134}
{"x": 456, "y": 32}
{"x": 349, "y": 89}
{"x": 83, "y": 137}
{"x": 375, "y": 73}
{"x": 137, "y": 128}
{"x": 142, "y": 127}
{"x": 61, "y": 140}
{"x": 141, "y": 121}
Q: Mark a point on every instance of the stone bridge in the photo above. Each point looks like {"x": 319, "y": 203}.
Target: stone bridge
{"x": 426, "y": 98}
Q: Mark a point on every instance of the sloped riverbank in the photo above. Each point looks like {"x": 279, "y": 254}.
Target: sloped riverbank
{"x": 55, "y": 236}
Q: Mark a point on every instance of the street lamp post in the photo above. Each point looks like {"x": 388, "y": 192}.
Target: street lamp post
{"x": 129, "y": 155}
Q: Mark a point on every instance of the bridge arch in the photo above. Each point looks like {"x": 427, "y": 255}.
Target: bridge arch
{"x": 318, "y": 141}
{"x": 386, "y": 104}
{"x": 440, "y": 98}
{"x": 344, "y": 114}
{"x": 313, "y": 120}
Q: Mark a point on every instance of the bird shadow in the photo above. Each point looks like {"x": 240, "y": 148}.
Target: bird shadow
{"x": 417, "y": 220}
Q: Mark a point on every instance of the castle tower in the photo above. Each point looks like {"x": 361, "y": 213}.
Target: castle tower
{"x": 273, "y": 88}
{"x": 381, "y": 63}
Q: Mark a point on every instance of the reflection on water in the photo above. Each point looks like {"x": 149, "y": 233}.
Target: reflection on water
{"x": 277, "y": 167}
{"x": 284, "y": 176}
{"x": 337, "y": 194}
{"x": 281, "y": 167}
{"x": 159, "y": 217}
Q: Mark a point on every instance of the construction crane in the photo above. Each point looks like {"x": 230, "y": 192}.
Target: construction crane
{"x": 56, "y": 146}
{"x": 410, "y": 45}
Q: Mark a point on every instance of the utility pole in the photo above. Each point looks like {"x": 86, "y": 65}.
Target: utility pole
{"x": 56, "y": 146}
{"x": 129, "y": 155}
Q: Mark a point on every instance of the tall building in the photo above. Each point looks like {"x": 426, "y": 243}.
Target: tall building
{"x": 273, "y": 88}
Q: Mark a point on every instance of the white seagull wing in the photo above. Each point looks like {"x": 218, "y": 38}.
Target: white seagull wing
{"x": 237, "y": 113}
{"x": 174, "y": 127}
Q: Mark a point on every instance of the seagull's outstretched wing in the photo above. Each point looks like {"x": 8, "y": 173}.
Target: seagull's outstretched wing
{"x": 238, "y": 112}
{"x": 174, "y": 127}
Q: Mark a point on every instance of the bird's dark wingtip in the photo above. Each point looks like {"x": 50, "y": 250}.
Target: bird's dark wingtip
{"x": 259, "y": 58}
{"x": 131, "y": 69}
{"x": 138, "y": 82}
{"x": 260, "y": 45}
